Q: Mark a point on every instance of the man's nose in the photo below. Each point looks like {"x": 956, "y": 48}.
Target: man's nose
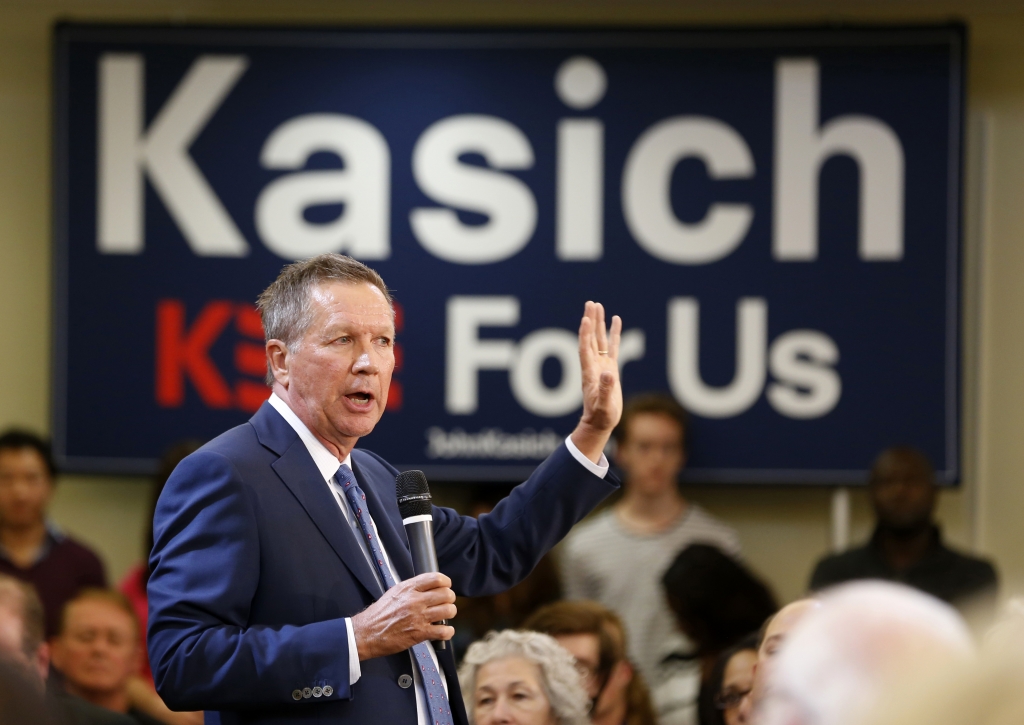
{"x": 364, "y": 362}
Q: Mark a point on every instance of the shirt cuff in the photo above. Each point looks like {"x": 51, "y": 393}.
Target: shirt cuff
{"x": 354, "y": 670}
{"x": 599, "y": 469}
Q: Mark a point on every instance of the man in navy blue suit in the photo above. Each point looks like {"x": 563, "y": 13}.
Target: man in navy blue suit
{"x": 275, "y": 597}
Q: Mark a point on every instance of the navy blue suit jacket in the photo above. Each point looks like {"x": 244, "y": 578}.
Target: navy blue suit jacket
{"x": 254, "y": 570}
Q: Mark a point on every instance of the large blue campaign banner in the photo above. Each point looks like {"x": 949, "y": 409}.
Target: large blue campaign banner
{"x": 774, "y": 214}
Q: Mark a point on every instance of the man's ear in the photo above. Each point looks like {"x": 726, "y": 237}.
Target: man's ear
{"x": 277, "y": 358}
{"x": 41, "y": 661}
{"x": 55, "y": 653}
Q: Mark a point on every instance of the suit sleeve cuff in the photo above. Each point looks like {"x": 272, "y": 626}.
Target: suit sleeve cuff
{"x": 599, "y": 469}
{"x": 354, "y": 671}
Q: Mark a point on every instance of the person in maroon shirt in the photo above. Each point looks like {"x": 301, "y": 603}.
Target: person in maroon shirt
{"x": 31, "y": 548}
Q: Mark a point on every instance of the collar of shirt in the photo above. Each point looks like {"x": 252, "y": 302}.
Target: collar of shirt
{"x": 935, "y": 554}
{"x": 53, "y": 537}
{"x": 325, "y": 461}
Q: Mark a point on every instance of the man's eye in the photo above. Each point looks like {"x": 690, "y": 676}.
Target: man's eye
{"x": 343, "y": 339}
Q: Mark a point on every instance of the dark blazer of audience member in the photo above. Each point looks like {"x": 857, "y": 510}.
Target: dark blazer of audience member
{"x": 907, "y": 545}
{"x": 716, "y": 600}
{"x": 596, "y": 638}
{"x": 31, "y": 547}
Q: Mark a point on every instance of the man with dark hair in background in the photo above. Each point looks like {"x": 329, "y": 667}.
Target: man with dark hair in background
{"x": 907, "y": 545}
{"x": 595, "y": 637}
{"x": 22, "y": 644}
{"x": 31, "y": 548}
{"x": 618, "y": 557}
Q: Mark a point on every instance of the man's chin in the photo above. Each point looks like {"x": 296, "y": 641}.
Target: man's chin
{"x": 357, "y": 425}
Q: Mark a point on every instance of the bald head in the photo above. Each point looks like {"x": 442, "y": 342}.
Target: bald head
{"x": 902, "y": 489}
{"x": 780, "y": 625}
{"x": 864, "y": 637}
{"x": 775, "y": 631}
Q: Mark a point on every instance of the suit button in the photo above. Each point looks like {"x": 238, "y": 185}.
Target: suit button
{"x": 328, "y": 690}
{"x": 296, "y": 694}
{"x": 307, "y": 692}
{"x": 405, "y": 681}
{"x": 318, "y": 691}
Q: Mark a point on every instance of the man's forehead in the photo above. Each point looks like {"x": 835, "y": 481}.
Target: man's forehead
{"x": 11, "y": 629}
{"x": 21, "y": 456}
{"x": 339, "y": 301}
{"x": 787, "y": 618}
{"x": 92, "y": 612}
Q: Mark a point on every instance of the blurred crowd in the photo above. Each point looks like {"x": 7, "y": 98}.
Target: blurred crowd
{"x": 647, "y": 614}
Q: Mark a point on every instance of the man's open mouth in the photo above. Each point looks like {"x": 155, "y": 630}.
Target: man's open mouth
{"x": 360, "y": 397}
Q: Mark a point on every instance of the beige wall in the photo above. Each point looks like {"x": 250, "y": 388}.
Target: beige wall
{"x": 783, "y": 530}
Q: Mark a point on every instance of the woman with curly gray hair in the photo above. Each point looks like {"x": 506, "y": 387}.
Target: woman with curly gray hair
{"x": 522, "y": 678}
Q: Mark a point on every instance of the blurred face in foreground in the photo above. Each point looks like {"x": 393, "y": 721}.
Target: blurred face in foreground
{"x": 12, "y": 645}
{"x": 775, "y": 634}
{"x": 586, "y": 650}
{"x": 737, "y": 681}
{"x": 509, "y": 692}
{"x": 606, "y": 690}
{"x": 651, "y": 454}
{"x": 98, "y": 651}
{"x": 25, "y": 487}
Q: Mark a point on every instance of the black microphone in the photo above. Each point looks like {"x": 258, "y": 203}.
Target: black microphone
{"x": 417, "y": 516}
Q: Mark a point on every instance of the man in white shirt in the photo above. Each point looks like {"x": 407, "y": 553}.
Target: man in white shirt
{"x": 282, "y": 585}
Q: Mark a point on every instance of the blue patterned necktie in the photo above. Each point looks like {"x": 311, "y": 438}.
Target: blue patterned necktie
{"x": 439, "y": 710}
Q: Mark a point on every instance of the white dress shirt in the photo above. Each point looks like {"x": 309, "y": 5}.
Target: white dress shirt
{"x": 328, "y": 465}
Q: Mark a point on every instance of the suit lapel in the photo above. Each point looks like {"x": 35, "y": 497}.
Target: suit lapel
{"x": 376, "y": 484}
{"x": 296, "y": 469}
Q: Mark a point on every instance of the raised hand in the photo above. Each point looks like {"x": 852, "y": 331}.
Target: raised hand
{"x": 602, "y": 392}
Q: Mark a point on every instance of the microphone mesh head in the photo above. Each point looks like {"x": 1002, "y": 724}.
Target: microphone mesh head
{"x": 413, "y": 494}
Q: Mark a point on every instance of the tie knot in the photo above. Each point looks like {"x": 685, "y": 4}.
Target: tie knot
{"x": 344, "y": 476}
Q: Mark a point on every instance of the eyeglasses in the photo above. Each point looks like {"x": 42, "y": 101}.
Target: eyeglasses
{"x": 730, "y": 698}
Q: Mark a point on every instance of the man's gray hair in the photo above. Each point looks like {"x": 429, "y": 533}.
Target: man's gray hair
{"x": 286, "y": 305}
{"x": 865, "y": 638}
{"x": 559, "y": 677}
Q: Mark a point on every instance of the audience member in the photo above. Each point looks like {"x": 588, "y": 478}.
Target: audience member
{"x": 21, "y": 700}
{"x": 524, "y": 678}
{"x": 865, "y": 637}
{"x": 716, "y": 602}
{"x": 22, "y": 646}
{"x": 731, "y": 680}
{"x": 986, "y": 691}
{"x": 907, "y": 545}
{"x": 32, "y": 548}
{"x": 774, "y": 632}
{"x": 618, "y": 557}
{"x": 97, "y": 651}
{"x": 141, "y": 690}
{"x": 133, "y": 585}
{"x": 595, "y": 637}
{"x": 508, "y": 609}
